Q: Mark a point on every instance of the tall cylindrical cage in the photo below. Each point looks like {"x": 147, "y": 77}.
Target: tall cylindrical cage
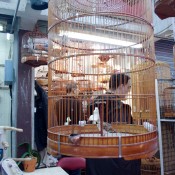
{"x": 104, "y": 51}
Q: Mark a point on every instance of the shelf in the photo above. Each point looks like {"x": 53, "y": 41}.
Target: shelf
{"x": 165, "y": 8}
{"x": 170, "y": 172}
{"x": 167, "y": 120}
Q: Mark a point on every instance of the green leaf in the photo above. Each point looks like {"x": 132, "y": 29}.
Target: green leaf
{"x": 26, "y": 145}
{"x": 30, "y": 153}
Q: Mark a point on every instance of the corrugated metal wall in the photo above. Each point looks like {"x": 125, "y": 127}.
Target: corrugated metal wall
{"x": 164, "y": 52}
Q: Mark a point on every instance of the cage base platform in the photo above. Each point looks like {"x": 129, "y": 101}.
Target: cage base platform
{"x": 128, "y": 141}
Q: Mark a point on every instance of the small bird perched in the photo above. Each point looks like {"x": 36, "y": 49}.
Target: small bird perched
{"x": 68, "y": 120}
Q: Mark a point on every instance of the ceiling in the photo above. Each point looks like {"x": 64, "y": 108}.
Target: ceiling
{"x": 29, "y": 17}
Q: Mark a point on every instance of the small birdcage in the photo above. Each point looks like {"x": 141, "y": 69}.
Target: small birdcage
{"x": 150, "y": 166}
{"x": 162, "y": 70}
{"x": 169, "y": 102}
{"x": 59, "y": 86}
{"x": 84, "y": 85}
{"x": 34, "y": 49}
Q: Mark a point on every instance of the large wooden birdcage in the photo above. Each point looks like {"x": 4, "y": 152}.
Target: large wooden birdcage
{"x": 88, "y": 42}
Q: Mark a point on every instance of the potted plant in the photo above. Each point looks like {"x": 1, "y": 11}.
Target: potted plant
{"x": 29, "y": 165}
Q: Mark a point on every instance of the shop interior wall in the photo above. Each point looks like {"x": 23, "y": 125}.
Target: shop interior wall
{"x": 5, "y": 98}
{"x": 16, "y": 111}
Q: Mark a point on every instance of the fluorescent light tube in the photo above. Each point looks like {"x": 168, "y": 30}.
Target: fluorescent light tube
{"x": 8, "y": 36}
{"x": 99, "y": 39}
{"x": 1, "y": 27}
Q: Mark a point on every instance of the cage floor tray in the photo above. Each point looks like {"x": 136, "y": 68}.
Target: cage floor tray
{"x": 165, "y": 8}
{"x": 34, "y": 61}
{"x": 129, "y": 141}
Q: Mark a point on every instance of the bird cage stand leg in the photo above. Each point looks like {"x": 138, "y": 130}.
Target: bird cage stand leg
{"x": 101, "y": 118}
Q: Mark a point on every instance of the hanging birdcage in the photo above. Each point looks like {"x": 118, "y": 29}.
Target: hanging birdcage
{"x": 34, "y": 49}
{"x": 150, "y": 166}
{"x": 143, "y": 106}
{"x": 109, "y": 37}
{"x": 168, "y": 108}
{"x": 164, "y": 8}
{"x": 162, "y": 70}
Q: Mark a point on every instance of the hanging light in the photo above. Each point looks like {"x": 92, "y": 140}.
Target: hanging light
{"x": 39, "y": 4}
{"x": 100, "y": 39}
{"x": 1, "y": 27}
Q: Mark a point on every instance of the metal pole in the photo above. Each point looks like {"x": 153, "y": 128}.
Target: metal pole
{"x": 159, "y": 127}
{"x": 14, "y": 17}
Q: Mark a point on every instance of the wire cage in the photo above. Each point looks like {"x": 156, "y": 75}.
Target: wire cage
{"x": 150, "y": 166}
{"x": 60, "y": 86}
{"x": 34, "y": 49}
{"x": 167, "y": 127}
{"x": 162, "y": 70}
{"x": 41, "y": 76}
{"x": 168, "y": 147}
{"x": 168, "y": 109}
{"x": 166, "y": 98}
{"x": 89, "y": 42}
